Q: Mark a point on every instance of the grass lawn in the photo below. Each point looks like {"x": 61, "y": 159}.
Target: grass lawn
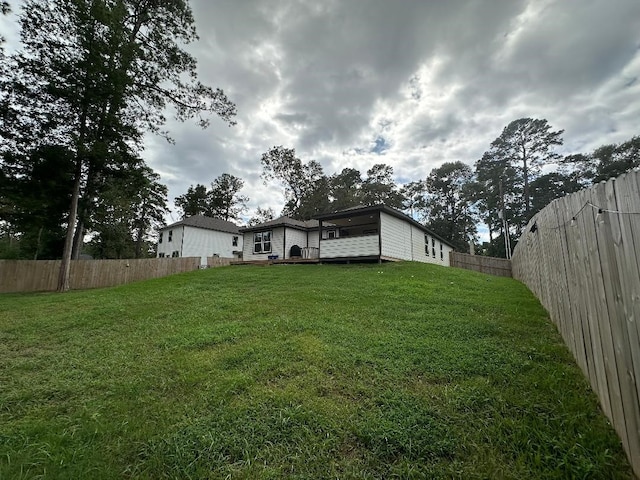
{"x": 335, "y": 371}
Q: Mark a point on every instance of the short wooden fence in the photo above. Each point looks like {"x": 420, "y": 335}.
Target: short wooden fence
{"x": 479, "y": 263}
{"x": 580, "y": 256}
{"x": 42, "y": 275}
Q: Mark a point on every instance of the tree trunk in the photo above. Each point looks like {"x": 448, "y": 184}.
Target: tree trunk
{"x": 65, "y": 266}
{"x": 78, "y": 239}
{"x": 35, "y": 256}
{"x": 139, "y": 237}
{"x": 526, "y": 188}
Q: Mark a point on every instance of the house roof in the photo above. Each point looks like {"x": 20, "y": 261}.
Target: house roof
{"x": 283, "y": 222}
{"x": 208, "y": 223}
{"x": 363, "y": 210}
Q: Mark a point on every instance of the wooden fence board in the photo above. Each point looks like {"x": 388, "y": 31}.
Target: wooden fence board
{"x": 479, "y": 263}
{"x": 625, "y": 344}
{"x": 42, "y": 275}
{"x": 587, "y": 276}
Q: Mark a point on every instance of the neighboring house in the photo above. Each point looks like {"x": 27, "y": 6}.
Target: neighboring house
{"x": 200, "y": 236}
{"x": 276, "y": 238}
{"x": 375, "y": 233}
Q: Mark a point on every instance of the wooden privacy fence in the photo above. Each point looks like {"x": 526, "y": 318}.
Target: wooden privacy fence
{"x": 42, "y": 275}
{"x": 218, "y": 262}
{"x": 581, "y": 257}
{"x": 479, "y": 263}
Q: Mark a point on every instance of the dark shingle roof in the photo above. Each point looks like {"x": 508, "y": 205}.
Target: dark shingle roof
{"x": 283, "y": 222}
{"x": 208, "y": 223}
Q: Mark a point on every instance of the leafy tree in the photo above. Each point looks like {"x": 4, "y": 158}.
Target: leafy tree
{"x": 130, "y": 207}
{"x": 527, "y": 144}
{"x": 194, "y": 202}
{"x": 262, "y": 215}
{"x": 345, "y": 189}
{"x": 605, "y": 162}
{"x": 221, "y": 201}
{"x": 224, "y": 200}
{"x": 379, "y": 187}
{"x": 305, "y": 186}
{"x": 149, "y": 208}
{"x": 498, "y": 193}
{"x": 93, "y": 75}
{"x": 414, "y": 193}
{"x": 34, "y": 198}
{"x": 550, "y": 186}
{"x": 449, "y": 204}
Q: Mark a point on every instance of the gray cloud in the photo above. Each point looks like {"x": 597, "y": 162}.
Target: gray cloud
{"x": 409, "y": 83}
{"x": 428, "y": 81}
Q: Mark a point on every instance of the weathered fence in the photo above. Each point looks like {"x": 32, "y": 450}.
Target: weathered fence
{"x": 218, "y": 262}
{"x": 42, "y": 275}
{"x": 581, "y": 257}
{"x": 479, "y": 263}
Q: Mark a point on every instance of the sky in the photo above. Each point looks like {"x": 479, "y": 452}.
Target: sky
{"x": 408, "y": 83}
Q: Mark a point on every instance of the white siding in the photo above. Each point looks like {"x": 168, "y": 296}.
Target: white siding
{"x": 350, "y": 247}
{"x": 294, "y": 237}
{"x": 198, "y": 242}
{"x": 396, "y": 237}
{"x": 419, "y": 253}
{"x": 404, "y": 241}
{"x": 168, "y": 247}
{"x": 418, "y": 246}
{"x": 203, "y": 243}
{"x": 277, "y": 247}
{"x": 314, "y": 239}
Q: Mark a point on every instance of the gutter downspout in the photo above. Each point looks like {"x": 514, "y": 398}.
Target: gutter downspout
{"x": 182, "y": 242}
{"x": 379, "y": 237}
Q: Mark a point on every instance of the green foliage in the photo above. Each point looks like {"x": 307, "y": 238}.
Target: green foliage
{"x": 221, "y": 201}
{"x": 34, "y": 199}
{"x": 448, "y": 205}
{"x": 130, "y": 206}
{"x": 607, "y": 161}
{"x": 356, "y": 371}
{"x": 194, "y": 202}
{"x": 505, "y": 171}
{"x": 262, "y": 215}
{"x": 379, "y": 187}
{"x": 550, "y": 186}
{"x": 345, "y": 189}
{"x": 305, "y": 185}
{"x": 226, "y": 203}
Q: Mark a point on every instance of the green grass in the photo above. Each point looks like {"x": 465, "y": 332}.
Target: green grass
{"x": 352, "y": 371}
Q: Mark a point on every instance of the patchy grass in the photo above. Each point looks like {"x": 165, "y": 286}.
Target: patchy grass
{"x": 352, "y": 371}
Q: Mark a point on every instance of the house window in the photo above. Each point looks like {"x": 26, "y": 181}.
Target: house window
{"x": 426, "y": 245}
{"x": 234, "y": 241}
{"x": 175, "y": 253}
{"x": 262, "y": 242}
{"x": 170, "y": 235}
{"x": 441, "y": 252}
{"x": 331, "y": 234}
{"x": 433, "y": 247}
{"x": 160, "y": 240}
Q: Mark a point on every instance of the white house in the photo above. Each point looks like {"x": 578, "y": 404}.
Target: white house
{"x": 373, "y": 233}
{"x": 276, "y": 239}
{"x": 378, "y": 233}
{"x": 200, "y": 236}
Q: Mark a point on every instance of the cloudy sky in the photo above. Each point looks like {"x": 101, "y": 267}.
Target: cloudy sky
{"x": 409, "y": 83}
